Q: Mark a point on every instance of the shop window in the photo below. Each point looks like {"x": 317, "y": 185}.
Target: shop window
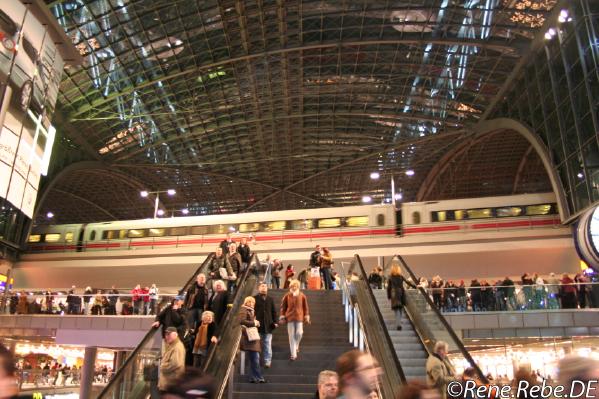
{"x": 357, "y": 221}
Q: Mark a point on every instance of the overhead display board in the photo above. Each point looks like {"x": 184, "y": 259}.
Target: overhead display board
{"x": 30, "y": 72}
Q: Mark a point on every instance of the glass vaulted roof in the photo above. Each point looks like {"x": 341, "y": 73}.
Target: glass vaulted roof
{"x": 253, "y": 105}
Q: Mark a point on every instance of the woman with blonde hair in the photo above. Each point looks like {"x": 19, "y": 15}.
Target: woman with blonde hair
{"x": 294, "y": 311}
{"x": 204, "y": 338}
{"x": 249, "y": 333}
{"x": 396, "y": 292}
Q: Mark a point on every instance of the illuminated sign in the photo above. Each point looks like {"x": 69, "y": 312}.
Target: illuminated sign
{"x": 3, "y": 280}
{"x": 30, "y": 72}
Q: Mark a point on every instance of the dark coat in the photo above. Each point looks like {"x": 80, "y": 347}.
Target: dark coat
{"x": 247, "y": 319}
{"x": 396, "y": 293}
{"x": 218, "y": 304}
{"x": 197, "y": 297}
{"x": 266, "y": 313}
{"x": 170, "y": 317}
{"x": 235, "y": 262}
{"x": 314, "y": 259}
{"x": 245, "y": 252}
{"x": 224, "y": 244}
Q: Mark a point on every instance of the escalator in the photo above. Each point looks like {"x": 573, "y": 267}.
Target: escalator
{"x": 129, "y": 381}
{"x": 376, "y": 339}
{"x": 424, "y": 326}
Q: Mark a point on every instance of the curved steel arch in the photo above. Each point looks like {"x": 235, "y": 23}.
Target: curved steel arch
{"x": 481, "y": 131}
{"x": 79, "y": 166}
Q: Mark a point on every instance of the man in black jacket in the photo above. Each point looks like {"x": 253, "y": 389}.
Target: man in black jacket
{"x": 196, "y": 301}
{"x": 244, "y": 251}
{"x": 73, "y": 302}
{"x": 315, "y": 257}
{"x": 218, "y": 302}
{"x": 113, "y": 298}
{"x": 266, "y": 314}
{"x": 173, "y": 316}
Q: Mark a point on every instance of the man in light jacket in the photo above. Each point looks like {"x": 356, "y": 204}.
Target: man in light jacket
{"x": 439, "y": 371}
{"x": 172, "y": 364}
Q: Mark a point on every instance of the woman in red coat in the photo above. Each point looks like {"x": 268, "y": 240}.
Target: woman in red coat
{"x": 289, "y": 273}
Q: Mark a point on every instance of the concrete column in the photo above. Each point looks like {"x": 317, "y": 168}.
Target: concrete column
{"x": 119, "y": 359}
{"x": 87, "y": 372}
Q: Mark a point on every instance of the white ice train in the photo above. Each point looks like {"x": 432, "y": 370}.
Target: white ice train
{"x": 504, "y": 212}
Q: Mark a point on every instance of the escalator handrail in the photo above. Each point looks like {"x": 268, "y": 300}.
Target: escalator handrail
{"x": 444, "y": 321}
{"x": 149, "y": 335}
{"x": 379, "y": 316}
{"x": 228, "y": 314}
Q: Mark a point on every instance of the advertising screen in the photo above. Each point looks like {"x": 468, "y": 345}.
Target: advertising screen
{"x": 30, "y": 72}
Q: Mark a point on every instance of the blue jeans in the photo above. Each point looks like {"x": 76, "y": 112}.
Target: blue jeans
{"x": 255, "y": 372}
{"x": 295, "y": 329}
{"x": 266, "y": 348}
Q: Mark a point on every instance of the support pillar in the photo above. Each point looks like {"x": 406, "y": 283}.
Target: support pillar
{"x": 87, "y": 372}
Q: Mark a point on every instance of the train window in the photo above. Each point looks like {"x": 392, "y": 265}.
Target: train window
{"x": 302, "y": 224}
{"x": 542, "y": 209}
{"x": 508, "y": 211}
{"x": 137, "y": 233}
{"x": 92, "y": 236}
{"x": 54, "y": 237}
{"x": 327, "y": 223}
{"x": 156, "y": 232}
{"x": 274, "y": 226}
{"x": 439, "y": 216}
{"x": 222, "y": 228}
{"x": 35, "y": 238}
{"x": 481, "y": 213}
{"x": 199, "y": 230}
{"x": 178, "y": 231}
{"x": 380, "y": 219}
{"x": 110, "y": 234}
{"x": 249, "y": 227}
{"x": 68, "y": 237}
{"x": 460, "y": 215}
{"x": 357, "y": 221}
{"x": 415, "y": 217}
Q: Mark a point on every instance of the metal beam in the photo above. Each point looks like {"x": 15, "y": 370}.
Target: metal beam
{"x": 87, "y": 202}
{"x": 356, "y": 160}
{"x": 537, "y": 43}
{"x": 521, "y": 168}
{"x": 500, "y": 45}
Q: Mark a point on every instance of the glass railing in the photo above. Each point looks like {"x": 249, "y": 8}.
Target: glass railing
{"x": 134, "y": 379}
{"x": 99, "y": 304}
{"x": 221, "y": 358}
{"x": 367, "y": 327}
{"x": 431, "y": 326}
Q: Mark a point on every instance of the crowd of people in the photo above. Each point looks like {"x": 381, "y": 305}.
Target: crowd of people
{"x": 357, "y": 375}
{"x": 530, "y": 292}
{"x": 52, "y": 373}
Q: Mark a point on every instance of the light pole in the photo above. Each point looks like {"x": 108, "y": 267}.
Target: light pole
{"x": 145, "y": 194}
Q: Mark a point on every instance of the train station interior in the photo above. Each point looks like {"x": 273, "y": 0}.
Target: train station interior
{"x": 298, "y": 199}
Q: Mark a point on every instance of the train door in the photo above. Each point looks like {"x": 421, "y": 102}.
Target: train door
{"x": 80, "y": 238}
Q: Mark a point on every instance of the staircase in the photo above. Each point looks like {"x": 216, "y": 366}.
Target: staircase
{"x": 323, "y": 341}
{"x": 410, "y": 352}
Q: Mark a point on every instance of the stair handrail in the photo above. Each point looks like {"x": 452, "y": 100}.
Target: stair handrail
{"x": 120, "y": 373}
{"x": 381, "y": 319}
{"x": 445, "y": 323}
{"x": 230, "y": 313}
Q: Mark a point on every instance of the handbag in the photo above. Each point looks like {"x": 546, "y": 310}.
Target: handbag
{"x": 252, "y": 334}
{"x": 223, "y": 273}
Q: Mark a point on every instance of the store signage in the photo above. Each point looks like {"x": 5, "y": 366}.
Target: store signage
{"x": 30, "y": 72}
